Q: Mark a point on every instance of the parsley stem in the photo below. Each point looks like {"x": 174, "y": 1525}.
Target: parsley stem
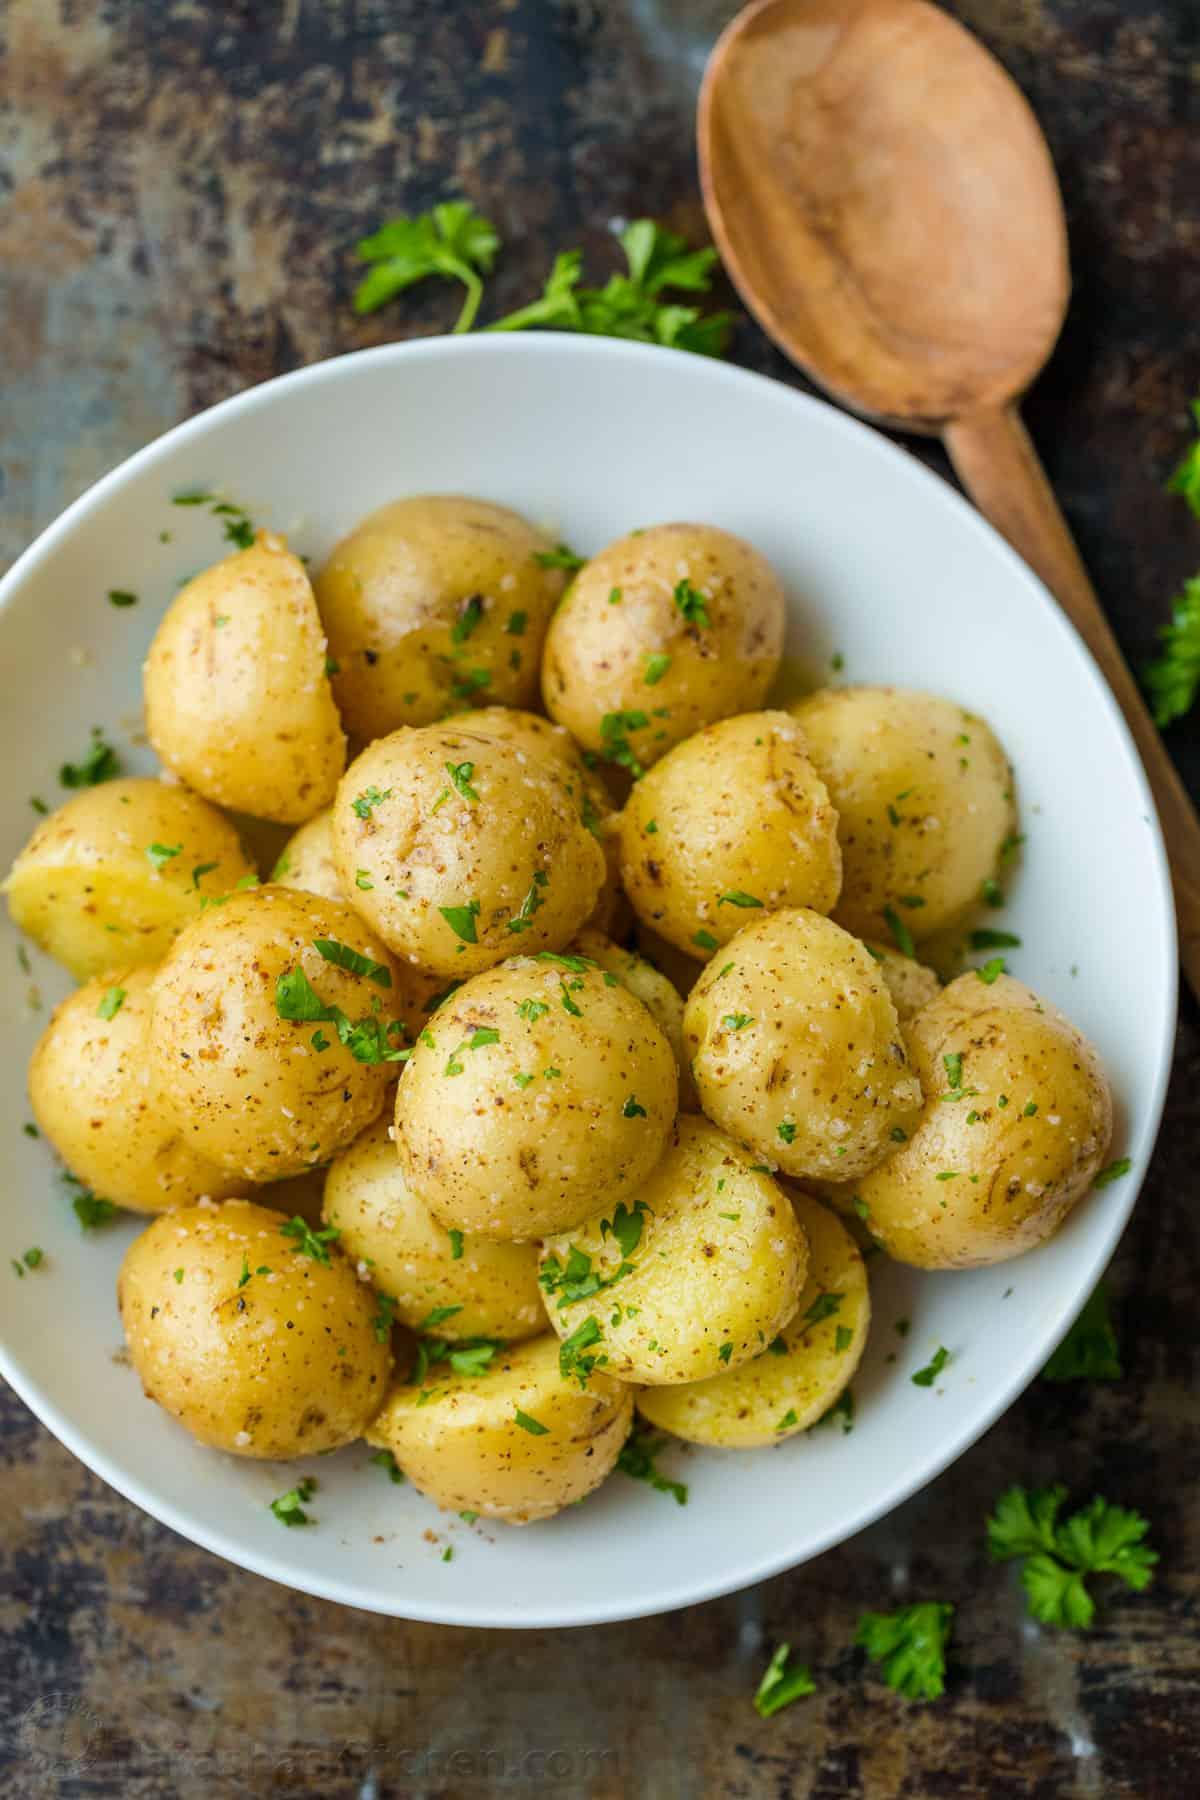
{"x": 470, "y": 305}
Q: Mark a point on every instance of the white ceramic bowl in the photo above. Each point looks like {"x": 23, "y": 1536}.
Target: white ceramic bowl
{"x": 884, "y": 564}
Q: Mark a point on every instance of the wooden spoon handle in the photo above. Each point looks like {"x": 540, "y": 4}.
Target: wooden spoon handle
{"x": 999, "y": 466}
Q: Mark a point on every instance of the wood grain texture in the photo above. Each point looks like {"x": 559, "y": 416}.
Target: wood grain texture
{"x": 179, "y": 184}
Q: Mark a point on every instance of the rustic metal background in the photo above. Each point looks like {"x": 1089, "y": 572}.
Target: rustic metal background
{"x": 179, "y": 184}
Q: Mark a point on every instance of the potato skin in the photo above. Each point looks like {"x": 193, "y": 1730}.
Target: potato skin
{"x": 95, "y": 1098}
{"x": 380, "y": 1218}
{"x": 306, "y": 860}
{"x": 796, "y": 1048}
{"x": 661, "y": 1000}
{"x": 923, "y": 792}
{"x": 746, "y": 1407}
{"x": 426, "y": 596}
{"x": 238, "y": 703}
{"x": 465, "y": 1449}
{"x": 717, "y": 1265}
{"x": 910, "y": 983}
{"x": 247, "y": 1087}
{"x": 495, "y": 1144}
{"x": 507, "y": 838}
{"x": 87, "y": 891}
{"x": 1013, "y": 1175}
{"x": 598, "y": 651}
{"x": 253, "y": 1367}
{"x": 736, "y": 810}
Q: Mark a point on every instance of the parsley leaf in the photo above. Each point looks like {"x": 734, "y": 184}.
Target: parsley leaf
{"x": 638, "y": 1460}
{"x": 111, "y": 1004}
{"x": 692, "y": 604}
{"x": 1099, "y": 1539}
{"x": 901, "y": 935}
{"x": 736, "y": 897}
{"x": 100, "y": 763}
{"x": 1113, "y": 1172}
{"x": 353, "y": 961}
{"x": 533, "y": 1426}
{"x": 1171, "y": 679}
{"x": 928, "y": 1375}
{"x": 451, "y": 240}
{"x": 289, "y": 1508}
{"x": 656, "y": 667}
{"x": 460, "y": 774}
{"x": 366, "y": 802}
{"x": 781, "y": 1685}
{"x": 572, "y": 1357}
{"x": 309, "y": 1242}
{"x": 911, "y": 1646}
{"x": 561, "y": 557}
{"x": 461, "y": 920}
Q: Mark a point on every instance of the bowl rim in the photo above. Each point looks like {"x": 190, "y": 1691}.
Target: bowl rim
{"x": 752, "y": 1567}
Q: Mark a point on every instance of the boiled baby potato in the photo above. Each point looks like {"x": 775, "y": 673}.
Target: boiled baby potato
{"x": 255, "y": 1344}
{"x": 238, "y": 703}
{"x": 1016, "y": 1125}
{"x": 276, "y": 1020}
{"x": 796, "y": 1048}
{"x": 434, "y": 603}
{"x": 803, "y": 1371}
{"x": 654, "y": 991}
{"x": 924, "y": 798}
{"x": 529, "y": 731}
{"x": 484, "y": 1289}
{"x": 694, "y": 1272}
{"x": 665, "y": 631}
{"x": 460, "y": 849}
{"x": 96, "y": 1099}
{"x": 909, "y": 982}
{"x": 115, "y": 874}
{"x": 518, "y": 1442}
{"x": 734, "y": 820}
{"x": 539, "y": 1089}
{"x": 306, "y": 860}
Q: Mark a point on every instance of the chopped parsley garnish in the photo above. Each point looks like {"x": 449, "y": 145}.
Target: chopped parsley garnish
{"x": 309, "y": 1242}
{"x": 200, "y": 870}
{"x": 383, "y": 1459}
{"x": 843, "y": 1337}
{"x": 725, "y": 1352}
{"x": 928, "y": 1375}
{"x": 353, "y": 961}
{"x": 1113, "y": 1172}
{"x": 92, "y": 1212}
{"x": 363, "y": 880}
{"x": 985, "y": 939}
{"x": 992, "y": 892}
{"x": 534, "y": 1427}
{"x": 469, "y": 615}
{"x": 614, "y": 734}
{"x": 705, "y": 939}
{"x": 632, "y": 1109}
{"x": 626, "y": 1227}
{"x": 100, "y": 763}
{"x": 614, "y": 596}
{"x": 561, "y": 557}
{"x": 161, "y": 854}
{"x": 737, "y": 1021}
{"x": 111, "y": 1004}
{"x": 656, "y": 667}
{"x": 823, "y": 1307}
{"x": 532, "y": 1010}
{"x": 385, "y": 1315}
{"x": 456, "y": 1245}
{"x": 787, "y": 1131}
{"x": 460, "y": 774}
{"x": 573, "y": 1357}
{"x": 788, "y": 1420}
{"x": 366, "y": 802}
{"x": 515, "y": 624}
{"x": 782, "y": 1683}
{"x": 121, "y": 597}
{"x": 461, "y": 920}
{"x": 692, "y": 604}
{"x": 1099, "y": 1539}
{"x": 991, "y": 969}
{"x": 289, "y": 1507}
{"x": 578, "y": 965}
{"x": 901, "y": 935}
{"x": 910, "y": 1645}
{"x": 736, "y": 897}
{"x": 638, "y": 1460}
{"x": 953, "y": 1064}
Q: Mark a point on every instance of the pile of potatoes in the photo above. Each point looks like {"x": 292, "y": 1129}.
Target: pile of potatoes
{"x": 436, "y": 1158}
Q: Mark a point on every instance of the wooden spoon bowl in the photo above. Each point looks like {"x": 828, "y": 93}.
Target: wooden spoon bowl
{"x": 886, "y": 205}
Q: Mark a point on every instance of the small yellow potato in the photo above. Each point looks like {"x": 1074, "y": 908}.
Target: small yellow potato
{"x": 654, "y": 991}
{"x": 247, "y": 1034}
{"x": 1016, "y": 1125}
{"x": 461, "y": 850}
{"x": 306, "y": 860}
{"x": 660, "y": 634}
{"x": 432, "y": 603}
{"x": 911, "y": 984}
{"x": 529, "y": 731}
{"x": 697, "y": 1272}
{"x": 924, "y": 798}
{"x": 734, "y": 820}
{"x": 792, "y": 1384}
{"x": 384, "y": 1226}
{"x": 517, "y": 1443}
{"x": 238, "y": 703}
{"x": 95, "y": 1098}
{"x": 256, "y": 1347}
{"x": 115, "y": 874}
{"x": 540, "y": 1089}
{"x": 796, "y": 1048}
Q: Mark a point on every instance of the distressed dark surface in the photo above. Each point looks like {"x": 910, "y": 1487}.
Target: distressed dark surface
{"x": 178, "y": 186}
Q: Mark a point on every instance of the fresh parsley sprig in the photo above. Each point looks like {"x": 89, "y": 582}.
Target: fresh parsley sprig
{"x": 452, "y": 240}
{"x": 1058, "y": 1557}
{"x": 910, "y": 1646}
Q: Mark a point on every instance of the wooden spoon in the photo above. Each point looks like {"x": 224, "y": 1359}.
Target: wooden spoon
{"x": 885, "y": 203}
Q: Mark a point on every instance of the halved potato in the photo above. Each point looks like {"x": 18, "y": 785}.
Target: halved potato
{"x": 517, "y": 1443}
{"x": 115, "y": 874}
{"x": 793, "y": 1383}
